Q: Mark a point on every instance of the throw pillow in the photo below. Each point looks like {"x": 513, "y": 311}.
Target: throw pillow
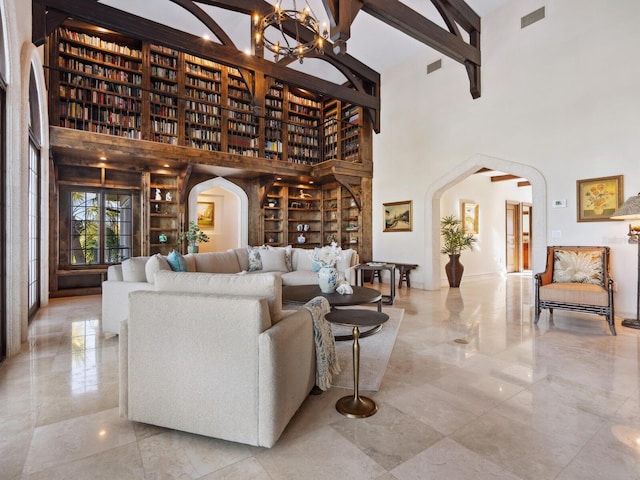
{"x": 255, "y": 261}
{"x": 156, "y": 263}
{"x": 344, "y": 260}
{"x": 302, "y": 259}
{"x": 288, "y": 255}
{"x": 273, "y": 260}
{"x": 572, "y": 266}
{"x": 133, "y": 269}
{"x": 176, "y": 261}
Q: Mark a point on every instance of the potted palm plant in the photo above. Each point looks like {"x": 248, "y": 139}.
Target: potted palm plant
{"x": 194, "y": 236}
{"x": 455, "y": 240}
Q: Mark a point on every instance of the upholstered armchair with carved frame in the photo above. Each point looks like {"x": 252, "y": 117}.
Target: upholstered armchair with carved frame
{"x": 578, "y": 279}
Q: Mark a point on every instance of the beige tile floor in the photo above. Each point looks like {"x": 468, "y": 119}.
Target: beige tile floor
{"x": 515, "y": 402}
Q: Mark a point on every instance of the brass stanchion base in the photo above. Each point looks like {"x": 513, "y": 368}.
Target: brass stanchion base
{"x": 356, "y": 407}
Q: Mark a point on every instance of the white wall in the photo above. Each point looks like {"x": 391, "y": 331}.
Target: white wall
{"x": 488, "y": 255}
{"x": 559, "y": 96}
{"x": 224, "y": 234}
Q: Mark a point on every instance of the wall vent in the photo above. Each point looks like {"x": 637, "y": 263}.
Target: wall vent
{"x": 432, "y": 67}
{"x": 532, "y": 17}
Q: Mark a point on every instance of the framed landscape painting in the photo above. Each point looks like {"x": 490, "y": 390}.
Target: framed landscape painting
{"x": 397, "y": 216}
{"x": 598, "y": 198}
{"x": 206, "y": 214}
{"x": 470, "y": 217}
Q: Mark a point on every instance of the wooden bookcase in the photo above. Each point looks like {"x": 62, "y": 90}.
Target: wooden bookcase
{"x": 328, "y": 210}
{"x": 99, "y": 86}
{"x": 331, "y": 213}
{"x": 303, "y": 116}
{"x": 303, "y": 216}
{"x": 350, "y": 231}
{"x": 274, "y": 217}
{"x": 109, "y": 83}
{"x": 273, "y": 116}
{"x": 202, "y": 112}
{"x": 164, "y": 215}
{"x": 242, "y": 125}
{"x": 164, "y": 90}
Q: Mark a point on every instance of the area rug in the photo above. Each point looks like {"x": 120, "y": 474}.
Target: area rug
{"x": 375, "y": 351}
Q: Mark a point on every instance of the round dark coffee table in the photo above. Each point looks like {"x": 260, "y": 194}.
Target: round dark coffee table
{"x": 301, "y": 294}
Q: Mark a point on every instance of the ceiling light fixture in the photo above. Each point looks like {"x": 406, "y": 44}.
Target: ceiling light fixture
{"x": 296, "y": 19}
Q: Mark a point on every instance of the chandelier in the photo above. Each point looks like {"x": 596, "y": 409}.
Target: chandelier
{"x": 296, "y": 20}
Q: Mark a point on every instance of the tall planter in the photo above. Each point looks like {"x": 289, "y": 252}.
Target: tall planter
{"x": 454, "y": 270}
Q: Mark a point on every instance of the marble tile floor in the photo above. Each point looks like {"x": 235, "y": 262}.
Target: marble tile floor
{"x": 473, "y": 391}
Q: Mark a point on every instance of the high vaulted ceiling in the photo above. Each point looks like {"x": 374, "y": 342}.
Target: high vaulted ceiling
{"x": 376, "y": 34}
{"x": 372, "y": 41}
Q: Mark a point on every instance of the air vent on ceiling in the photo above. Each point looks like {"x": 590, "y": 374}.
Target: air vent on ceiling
{"x": 432, "y": 67}
{"x": 532, "y": 17}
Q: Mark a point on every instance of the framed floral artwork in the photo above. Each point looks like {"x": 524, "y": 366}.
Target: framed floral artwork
{"x": 598, "y": 198}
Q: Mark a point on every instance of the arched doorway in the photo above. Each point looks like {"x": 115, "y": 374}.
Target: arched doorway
{"x": 231, "y": 229}
{"x": 472, "y": 165}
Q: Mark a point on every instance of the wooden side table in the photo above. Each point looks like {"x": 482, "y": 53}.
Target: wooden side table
{"x": 378, "y": 267}
{"x": 356, "y": 406}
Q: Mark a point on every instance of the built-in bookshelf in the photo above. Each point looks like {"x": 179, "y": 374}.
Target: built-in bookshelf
{"x": 308, "y": 216}
{"x": 303, "y": 216}
{"x": 100, "y": 84}
{"x": 350, "y": 234}
{"x": 303, "y": 129}
{"x": 164, "y": 221}
{"x": 273, "y": 117}
{"x": 331, "y": 213}
{"x": 164, "y": 92}
{"x": 330, "y": 129}
{"x": 274, "y": 217}
{"x": 203, "y": 98}
{"x": 109, "y": 83}
{"x": 350, "y": 132}
{"x": 242, "y": 124}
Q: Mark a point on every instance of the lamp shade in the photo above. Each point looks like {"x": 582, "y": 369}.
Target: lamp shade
{"x": 629, "y": 210}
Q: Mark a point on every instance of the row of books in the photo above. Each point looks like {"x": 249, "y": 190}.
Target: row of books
{"x": 100, "y": 43}
{"x": 98, "y": 56}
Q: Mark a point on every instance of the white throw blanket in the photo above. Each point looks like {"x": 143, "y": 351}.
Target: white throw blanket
{"x": 326, "y": 359}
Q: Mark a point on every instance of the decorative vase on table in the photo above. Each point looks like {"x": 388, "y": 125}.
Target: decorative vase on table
{"x": 454, "y": 270}
{"x": 193, "y": 249}
{"x": 328, "y": 279}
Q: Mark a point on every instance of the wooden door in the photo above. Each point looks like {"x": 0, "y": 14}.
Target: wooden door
{"x": 512, "y": 236}
{"x": 527, "y": 234}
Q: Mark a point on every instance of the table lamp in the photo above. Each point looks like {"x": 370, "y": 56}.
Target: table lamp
{"x": 630, "y": 210}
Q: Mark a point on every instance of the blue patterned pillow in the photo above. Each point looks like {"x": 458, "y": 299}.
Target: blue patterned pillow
{"x": 176, "y": 262}
{"x": 255, "y": 261}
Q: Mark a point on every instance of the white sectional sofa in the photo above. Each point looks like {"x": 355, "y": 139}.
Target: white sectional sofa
{"x": 294, "y": 264}
{"x": 215, "y": 355}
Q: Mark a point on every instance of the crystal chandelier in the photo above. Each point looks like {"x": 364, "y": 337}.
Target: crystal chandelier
{"x": 294, "y": 20}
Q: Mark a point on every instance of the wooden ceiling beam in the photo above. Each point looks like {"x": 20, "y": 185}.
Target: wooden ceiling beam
{"x": 450, "y": 43}
{"x": 503, "y": 178}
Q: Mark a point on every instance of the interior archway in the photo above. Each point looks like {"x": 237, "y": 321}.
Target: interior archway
{"x": 462, "y": 171}
{"x": 242, "y": 224}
